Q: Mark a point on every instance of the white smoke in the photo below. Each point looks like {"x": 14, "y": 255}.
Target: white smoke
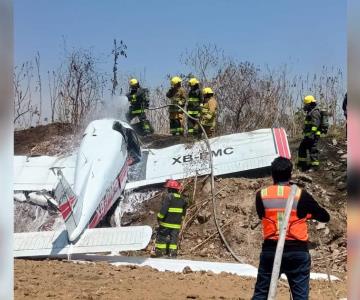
{"x": 114, "y": 107}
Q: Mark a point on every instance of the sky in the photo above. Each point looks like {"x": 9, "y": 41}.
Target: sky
{"x": 303, "y": 34}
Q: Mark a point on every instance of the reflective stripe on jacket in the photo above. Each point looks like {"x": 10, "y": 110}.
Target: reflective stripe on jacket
{"x": 195, "y": 98}
{"x": 312, "y": 123}
{"x": 274, "y": 199}
{"x": 172, "y": 211}
{"x": 138, "y": 100}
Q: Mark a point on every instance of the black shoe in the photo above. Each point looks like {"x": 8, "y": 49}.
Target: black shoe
{"x": 302, "y": 167}
{"x": 305, "y": 169}
{"x": 313, "y": 168}
{"x": 159, "y": 253}
{"x": 172, "y": 254}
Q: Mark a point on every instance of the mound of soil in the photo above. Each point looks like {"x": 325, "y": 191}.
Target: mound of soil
{"x": 50, "y": 139}
{"x": 235, "y": 206}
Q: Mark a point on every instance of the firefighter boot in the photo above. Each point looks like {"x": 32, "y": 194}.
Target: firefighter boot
{"x": 172, "y": 253}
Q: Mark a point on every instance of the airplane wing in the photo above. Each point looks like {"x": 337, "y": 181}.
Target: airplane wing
{"x": 231, "y": 154}
{"x": 53, "y": 243}
{"x": 35, "y": 173}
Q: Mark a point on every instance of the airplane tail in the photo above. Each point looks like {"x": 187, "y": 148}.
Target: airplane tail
{"x": 68, "y": 202}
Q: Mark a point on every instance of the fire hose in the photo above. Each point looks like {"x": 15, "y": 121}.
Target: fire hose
{"x": 280, "y": 245}
{"x": 236, "y": 257}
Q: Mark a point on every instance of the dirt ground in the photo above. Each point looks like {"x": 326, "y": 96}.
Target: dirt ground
{"x": 51, "y": 139}
{"x": 65, "y": 280}
{"x": 236, "y": 214}
{"x": 200, "y": 240}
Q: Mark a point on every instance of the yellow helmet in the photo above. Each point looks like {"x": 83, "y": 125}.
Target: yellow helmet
{"x": 208, "y": 91}
{"x": 193, "y": 81}
{"x": 309, "y": 99}
{"x": 175, "y": 80}
{"x": 133, "y": 82}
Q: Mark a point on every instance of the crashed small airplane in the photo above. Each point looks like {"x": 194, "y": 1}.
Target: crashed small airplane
{"x": 89, "y": 183}
{"x": 107, "y": 150}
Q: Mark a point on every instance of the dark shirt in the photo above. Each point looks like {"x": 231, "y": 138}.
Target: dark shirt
{"x": 306, "y": 205}
{"x": 344, "y": 105}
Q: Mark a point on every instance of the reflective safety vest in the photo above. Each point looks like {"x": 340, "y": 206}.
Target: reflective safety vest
{"x": 274, "y": 199}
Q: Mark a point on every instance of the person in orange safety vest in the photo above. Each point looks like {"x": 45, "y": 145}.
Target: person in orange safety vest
{"x": 270, "y": 207}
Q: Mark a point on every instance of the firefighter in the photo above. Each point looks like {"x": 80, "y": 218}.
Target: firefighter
{"x": 270, "y": 207}
{"x": 170, "y": 217}
{"x": 311, "y": 136}
{"x": 208, "y": 112}
{"x": 177, "y": 95}
{"x": 195, "y": 98}
{"x": 139, "y": 101}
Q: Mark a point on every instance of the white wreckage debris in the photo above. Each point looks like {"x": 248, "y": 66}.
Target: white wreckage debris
{"x": 86, "y": 185}
{"x": 231, "y": 154}
{"x": 107, "y": 150}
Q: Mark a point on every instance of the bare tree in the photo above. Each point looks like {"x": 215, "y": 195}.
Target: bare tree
{"x": 80, "y": 89}
{"x": 37, "y": 63}
{"x": 159, "y": 119}
{"x": 204, "y": 60}
{"x": 54, "y": 92}
{"x": 328, "y": 87}
{"x": 250, "y": 98}
{"x": 24, "y": 109}
{"x": 118, "y": 50}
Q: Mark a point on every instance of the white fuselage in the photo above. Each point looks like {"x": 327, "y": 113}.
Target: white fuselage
{"x": 100, "y": 173}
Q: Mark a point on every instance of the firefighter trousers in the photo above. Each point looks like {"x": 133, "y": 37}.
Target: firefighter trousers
{"x": 193, "y": 126}
{"x": 143, "y": 121}
{"x": 176, "y": 123}
{"x": 308, "y": 145}
{"x": 210, "y": 130}
{"x": 166, "y": 241}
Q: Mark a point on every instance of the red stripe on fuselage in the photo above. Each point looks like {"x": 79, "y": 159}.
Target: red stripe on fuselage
{"x": 108, "y": 199}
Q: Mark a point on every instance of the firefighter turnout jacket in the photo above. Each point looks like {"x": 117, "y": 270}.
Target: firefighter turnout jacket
{"x": 177, "y": 95}
{"x": 139, "y": 101}
{"x": 195, "y": 98}
{"x": 312, "y": 124}
{"x": 208, "y": 112}
{"x": 172, "y": 212}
